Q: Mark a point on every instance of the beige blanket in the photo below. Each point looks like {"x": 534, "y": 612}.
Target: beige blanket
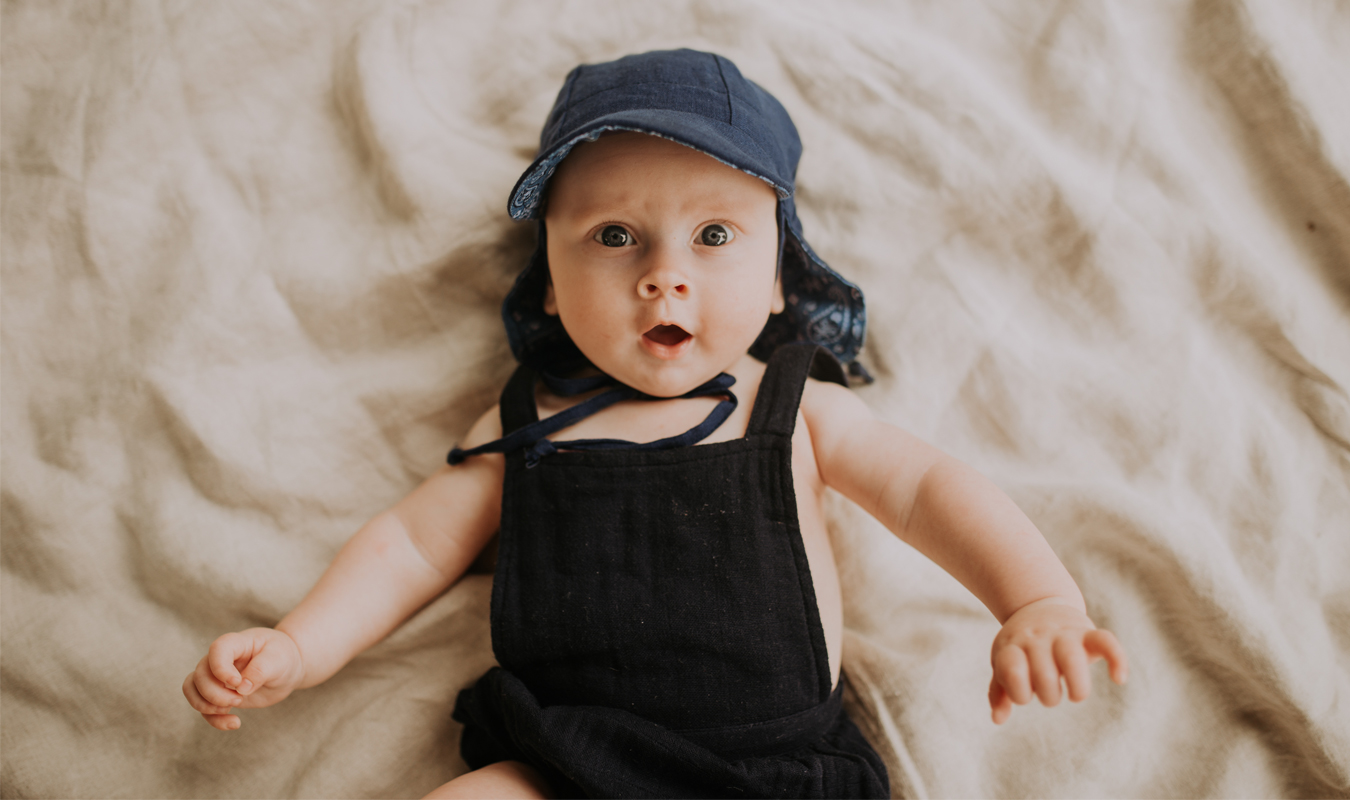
{"x": 253, "y": 255}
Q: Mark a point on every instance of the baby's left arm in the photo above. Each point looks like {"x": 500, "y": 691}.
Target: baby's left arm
{"x": 965, "y": 524}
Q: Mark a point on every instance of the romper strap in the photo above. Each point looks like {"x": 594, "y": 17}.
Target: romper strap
{"x": 517, "y": 405}
{"x": 520, "y": 416}
{"x": 780, "y": 391}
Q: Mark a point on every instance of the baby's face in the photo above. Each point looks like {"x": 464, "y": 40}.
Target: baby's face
{"x": 663, "y": 260}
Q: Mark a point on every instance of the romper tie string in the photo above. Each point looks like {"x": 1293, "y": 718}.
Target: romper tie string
{"x": 532, "y": 438}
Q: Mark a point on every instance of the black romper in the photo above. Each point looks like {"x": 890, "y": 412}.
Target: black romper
{"x": 655, "y": 621}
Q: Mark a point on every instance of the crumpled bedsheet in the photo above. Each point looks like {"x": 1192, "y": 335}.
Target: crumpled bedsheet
{"x": 253, "y": 254}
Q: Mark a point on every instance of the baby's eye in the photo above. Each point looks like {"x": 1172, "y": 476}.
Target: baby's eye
{"x": 715, "y": 235}
{"x": 614, "y": 236}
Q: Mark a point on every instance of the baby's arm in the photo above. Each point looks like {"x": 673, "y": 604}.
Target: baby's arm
{"x": 394, "y": 565}
{"x": 970, "y": 528}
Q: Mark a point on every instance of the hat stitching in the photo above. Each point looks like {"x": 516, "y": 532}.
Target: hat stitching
{"x": 567, "y": 100}
{"x": 731, "y": 107}
{"x": 572, "y": 103}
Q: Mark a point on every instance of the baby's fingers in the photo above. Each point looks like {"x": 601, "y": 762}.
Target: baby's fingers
{"x": 1044, "y": 674}
{"x": 1073, "y": 665}
{"x": 1101, "y": 643}
{"x": 225, "y": 651}
{"x": 1010, "y": 672}
{"x": 1000, "y": 705}
{"x": 268, "y": 667}
{"x": 218, "y": 716}
{"x": 224, "y": 722}
{"x": 209, "y": 688}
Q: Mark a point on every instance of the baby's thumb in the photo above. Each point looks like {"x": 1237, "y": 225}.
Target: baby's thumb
{"x": 264, "y": 667}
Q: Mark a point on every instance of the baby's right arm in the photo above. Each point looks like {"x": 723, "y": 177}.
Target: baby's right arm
{"x": 393, "y": 566}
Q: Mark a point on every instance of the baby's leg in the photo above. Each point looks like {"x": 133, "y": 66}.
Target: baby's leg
{"x": 503, "y": 779}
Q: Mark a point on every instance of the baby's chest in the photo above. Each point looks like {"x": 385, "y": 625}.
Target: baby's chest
{"x": 638, "y": 554}
{"x": 650, "y": 548}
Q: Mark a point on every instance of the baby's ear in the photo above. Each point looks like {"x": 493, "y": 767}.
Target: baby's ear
{"x": 776, "y": 306}
{"x": 551, "y": 301}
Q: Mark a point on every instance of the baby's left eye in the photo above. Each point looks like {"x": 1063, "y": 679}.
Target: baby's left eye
{"x": 715, "y": 235}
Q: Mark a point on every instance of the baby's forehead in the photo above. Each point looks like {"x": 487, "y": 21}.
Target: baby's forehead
{"x": 624, "y": 163}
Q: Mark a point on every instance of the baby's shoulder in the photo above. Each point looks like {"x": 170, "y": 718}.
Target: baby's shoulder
{"x": 827, "y": 405}
{"x": 487, "y": 428}
{"x": 825, "y": 408}
{"x": 835, "y": 419}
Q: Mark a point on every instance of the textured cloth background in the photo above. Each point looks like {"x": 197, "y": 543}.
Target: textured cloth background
{"x": 253, "y": 254}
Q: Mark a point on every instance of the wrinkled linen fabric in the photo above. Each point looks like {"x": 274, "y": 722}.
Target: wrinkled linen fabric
{"x": 253, "y": 255}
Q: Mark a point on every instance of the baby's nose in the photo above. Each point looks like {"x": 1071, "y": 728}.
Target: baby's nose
{"x": 664, "y": 277}
{"x": 652, "y": 289}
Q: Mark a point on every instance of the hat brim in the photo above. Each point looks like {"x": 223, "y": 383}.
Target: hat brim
{"x": 713, "y": 138}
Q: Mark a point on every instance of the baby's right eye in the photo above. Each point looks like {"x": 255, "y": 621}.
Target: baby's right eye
{"x": 614, "y": 236}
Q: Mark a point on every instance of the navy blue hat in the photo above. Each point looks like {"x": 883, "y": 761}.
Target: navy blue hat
{"x": 699, "y": 100}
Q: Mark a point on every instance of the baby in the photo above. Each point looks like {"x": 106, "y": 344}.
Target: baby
{"x": 666, "y": 609}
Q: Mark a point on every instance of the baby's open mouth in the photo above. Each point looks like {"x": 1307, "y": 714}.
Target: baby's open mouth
{"x": 668, "y": 335}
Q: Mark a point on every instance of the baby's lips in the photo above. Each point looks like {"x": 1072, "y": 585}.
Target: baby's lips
{"x": 668, "y": 335}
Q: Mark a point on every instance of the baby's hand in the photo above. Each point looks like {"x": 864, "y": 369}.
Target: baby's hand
{"x": 249, "y": 669}
{"x": 1041, "y": 642}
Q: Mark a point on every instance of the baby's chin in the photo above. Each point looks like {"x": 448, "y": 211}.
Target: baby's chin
{"x": 668, "y": 386}
{"x": 665, "y": 379}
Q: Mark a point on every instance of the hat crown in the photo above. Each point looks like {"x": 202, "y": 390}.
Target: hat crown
{"x": 684, "y": 82}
